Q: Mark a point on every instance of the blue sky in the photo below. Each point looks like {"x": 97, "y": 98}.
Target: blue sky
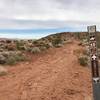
{"x": 32, "y": 33}
{"x": 41, "y": 16}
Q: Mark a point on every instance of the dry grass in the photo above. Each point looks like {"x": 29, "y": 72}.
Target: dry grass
{"x": 3, "y": 71}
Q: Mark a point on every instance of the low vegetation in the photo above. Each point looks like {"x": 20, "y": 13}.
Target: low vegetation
{"x": 35, "y": 50}
{"x": 3, "y": 71}
{"x": 11, "y": 51}
{"x": 9, "y": 48}
{"x": 83, "y": 60}
{"x": 11, "y": 57}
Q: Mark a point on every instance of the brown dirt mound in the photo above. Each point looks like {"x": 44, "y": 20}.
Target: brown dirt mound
{"x": 55, "y": 75}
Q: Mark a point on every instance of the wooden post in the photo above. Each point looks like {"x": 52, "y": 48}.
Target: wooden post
{"x": 94, "y": 62}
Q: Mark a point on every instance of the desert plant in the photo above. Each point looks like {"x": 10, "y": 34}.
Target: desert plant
{"x": 11, "y": 60}
{"x": 11, "y": 47}
{"x": 20, "y": 45}
{"x": 35, "y": 42}
{"x": 28, "y": 49}
{"x": 42, "y": 48}
{"x": 47, "y": 46}
{"x": 3, "y": 71}
{"x": 20, "y": 58}
{"x": 83, "y": 60}
{"x": 57, "y": 41}
{"x": 77, "y": 35}
{"x": 85, "y": 52}
{"x": 2, "y": 59}
{"x": 58, "y": 45}
{"x": 35, "y": 50}
{"x": 11, "y": 57}
{"x": 77, "y": 52}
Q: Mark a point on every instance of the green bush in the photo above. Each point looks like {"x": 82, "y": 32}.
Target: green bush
{"x": 42, "y": 48}
{"x": 83, "y": 60}
{"x": 29, "y": 49}
{"x": 11, "y": 61}
{"x": 11, "y": 58}
{"x": 58, "y": 45}
{"x": 57, "y": 41}
{"x": 20, "y": 45}
{"x": 35, "y": 42}
{"x": 20, "y": 58}
{"x": 2, "y": 59}
{"x": 47, "y": 46}
{"x": 14, "y": 59}
{"x": 35, "y": 50}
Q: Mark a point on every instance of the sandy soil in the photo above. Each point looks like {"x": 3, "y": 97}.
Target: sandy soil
{"x": 54, "y": 75}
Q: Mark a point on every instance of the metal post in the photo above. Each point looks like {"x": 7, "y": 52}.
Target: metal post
{"x": 94, "y": 62}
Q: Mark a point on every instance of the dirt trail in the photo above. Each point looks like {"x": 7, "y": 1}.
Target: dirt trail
{"x": 55, "y": 75}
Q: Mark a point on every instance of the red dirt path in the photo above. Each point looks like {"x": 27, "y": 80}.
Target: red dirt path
{"x": 55, "y": 75}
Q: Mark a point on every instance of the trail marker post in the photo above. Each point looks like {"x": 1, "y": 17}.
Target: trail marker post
{"x": 94, "y": 62}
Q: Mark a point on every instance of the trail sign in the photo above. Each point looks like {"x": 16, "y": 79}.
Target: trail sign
{"x": 94, "y": 62}
{"x": 92, "y": 29}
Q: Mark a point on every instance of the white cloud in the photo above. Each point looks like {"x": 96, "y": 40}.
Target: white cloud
{"x": 48, "y": 13}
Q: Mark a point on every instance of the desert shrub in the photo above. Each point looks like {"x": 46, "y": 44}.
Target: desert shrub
{"x": 85, "y": 52}
{"x": 77, "y": 52}
{"x": 77, "y": 35}
{"x": 50, "y": 44}
{"x": 5, "y": 54}
{"x": 57, "y": 41}
{"x": 47, "y": 46}
{"x": 14, "y": 59}
{"x": 3, "y": 46}
{"x": 29, "y": 49}
{"x": 42, "y": 48}
{"x": 83, "y": 60}
{"x": 35, "y": 50}
{"x": 22, "y": 48}
{"x": 20, "y": 58}
{"x": 3, "y": 71}
{"x": 35, "y": 42}
{"x": 2, "y": 59}
{"x": 11, "y": 61}
{"x": 58, "y": 45}
{"x": 20, "y": 45}
{"x": 80, "y": 35}
{"x": 11, "y": 57}
{"x": 11, "y": 47}
{"x": 1, "y": 50}
{"x": 8, "y": 41}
